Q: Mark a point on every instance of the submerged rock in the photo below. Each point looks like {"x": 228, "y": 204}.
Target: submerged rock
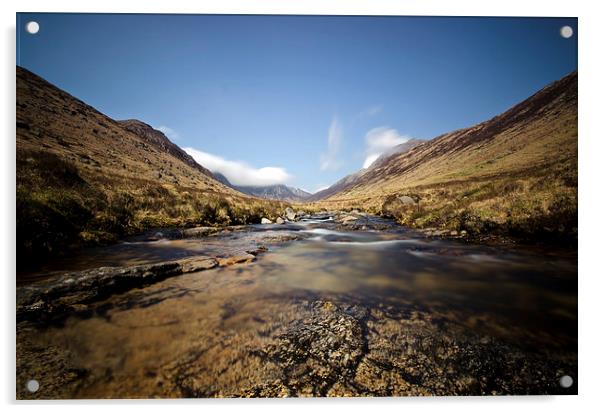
{"x": 236, "y": 259}
{"x": 199, "y": 232}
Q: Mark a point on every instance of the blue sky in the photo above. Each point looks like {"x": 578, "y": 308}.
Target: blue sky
{"x": 302, "y": 100}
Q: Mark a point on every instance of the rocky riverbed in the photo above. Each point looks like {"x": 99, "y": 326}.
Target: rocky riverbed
{"x": 331, "y": 304}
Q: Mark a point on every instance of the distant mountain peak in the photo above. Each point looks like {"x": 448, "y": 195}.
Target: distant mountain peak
{"x": 277, "y": 191}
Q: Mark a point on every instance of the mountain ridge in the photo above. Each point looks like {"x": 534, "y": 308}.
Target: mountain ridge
{"x": 351, "y": 179}
{"x": 161, "y": 142}
{"x": 277, "y": 191}
{"x": 84, "y": 178}
{"x": 515, "y": 173}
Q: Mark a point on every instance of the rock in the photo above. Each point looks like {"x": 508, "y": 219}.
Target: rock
{"x": 279, "y": 220}
{"x": 195, "y": 264}
{"x": 463, "y": 233}
{"x": 290, "y": 214}
{"x": 237, "y": 259}
{"x": 265, "y": 221}
{"x": 59, "y": 295}
{"x": 406, "y": 200}
{"x": 454, "y": 233}
{"x": 198, "y": 232}
{"x": 348, "y": 219}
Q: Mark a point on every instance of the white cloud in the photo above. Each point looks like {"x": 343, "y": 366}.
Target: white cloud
{"x": 239, "y": 173}
{"x": 320, "y": 188}
{"x": 379, "y": 140}
{"x": 328, "y": 160}
{"x": 169, "y": 132}
{"x": 370, "y": 160}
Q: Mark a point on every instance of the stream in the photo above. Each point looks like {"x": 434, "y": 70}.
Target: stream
{"x": 320, "y": 308}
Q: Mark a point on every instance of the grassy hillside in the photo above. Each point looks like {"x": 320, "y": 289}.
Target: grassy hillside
{"x": 514, "y": 174}
{"x": 354, "y": 179}
{"x": 85, "y": 178}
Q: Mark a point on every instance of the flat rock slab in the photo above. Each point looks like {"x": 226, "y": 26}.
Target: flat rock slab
{"x": 67, "y": 293}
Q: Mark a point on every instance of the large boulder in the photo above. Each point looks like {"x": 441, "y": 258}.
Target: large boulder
{"x": 279, "y": 220}
{"x": 290, "y": 214}
{"x": 399, "y": 206}
{"x": 406, "y": 200}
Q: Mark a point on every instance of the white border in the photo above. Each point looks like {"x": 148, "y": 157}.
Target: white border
{"x": 590, "y": 190}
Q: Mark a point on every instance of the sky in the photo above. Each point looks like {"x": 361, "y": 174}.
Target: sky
{"x": 300, "y": 100}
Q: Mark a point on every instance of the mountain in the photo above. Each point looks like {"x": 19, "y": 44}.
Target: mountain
{"x": 279, "y": 192}
{"x": 515, "y": 172}
{"x": 352, "y": 179}
{"x": 158, "y": 140}
{"x": 84, "y": 178}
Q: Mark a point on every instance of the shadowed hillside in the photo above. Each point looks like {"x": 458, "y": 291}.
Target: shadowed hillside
{"x": 515, "y": 173}
{"x": 84, "y": 178}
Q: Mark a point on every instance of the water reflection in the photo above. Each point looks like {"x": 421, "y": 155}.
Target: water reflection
{"x": 223, "y": 316}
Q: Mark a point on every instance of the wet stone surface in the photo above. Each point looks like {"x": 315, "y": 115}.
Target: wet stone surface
{"x": 362, "y": 312}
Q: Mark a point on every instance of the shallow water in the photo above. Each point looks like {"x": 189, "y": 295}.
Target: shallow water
{"x": 188, "y": 326}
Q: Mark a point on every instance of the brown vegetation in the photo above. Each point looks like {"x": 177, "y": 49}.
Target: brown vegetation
{"x": 515, "y": 174}
{"x": 84, "y": 178}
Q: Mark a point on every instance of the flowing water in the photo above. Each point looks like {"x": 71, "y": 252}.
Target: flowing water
{"x": 325, "y": 311}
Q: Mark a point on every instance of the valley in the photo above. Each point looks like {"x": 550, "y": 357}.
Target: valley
{"x": 446, "y": 267}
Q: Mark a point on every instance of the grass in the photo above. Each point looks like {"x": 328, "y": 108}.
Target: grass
{"x": 515, "y": 174}
{"x": 532, "y": 208}
{"x": 59, "y": 206}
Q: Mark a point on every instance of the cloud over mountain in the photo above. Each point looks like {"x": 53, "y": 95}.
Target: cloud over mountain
{"x": 379, "y": 140}
{"x": 240, "y": 173}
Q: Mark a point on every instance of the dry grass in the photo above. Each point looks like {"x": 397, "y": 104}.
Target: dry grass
{"x": 514, "y": 174}
{"x": 59, "y": 206}
{"x": 83, "y": 178}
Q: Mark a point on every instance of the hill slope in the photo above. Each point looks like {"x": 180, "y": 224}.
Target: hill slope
{"x": 277, "y": 192}
{"x": 158, "y": 140}
{"x": 516, "y": 172}
{"x": 83, "y": 177}
{"x": 351, "y": 180}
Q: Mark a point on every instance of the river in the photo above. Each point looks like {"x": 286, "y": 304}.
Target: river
{"x": 321, "y": 308}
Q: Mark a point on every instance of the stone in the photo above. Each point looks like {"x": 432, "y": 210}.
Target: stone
{"x": 197, "y": 264}
{"x": 290, "y": 214}
{"x": 406, "y": 200}
{"x": 279, "y": 220}
{"x": 265, "y": 221}
{"x": 349, "y": 219}
{"x": 237, "y": 259}
{"x": 198, "y": 232}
